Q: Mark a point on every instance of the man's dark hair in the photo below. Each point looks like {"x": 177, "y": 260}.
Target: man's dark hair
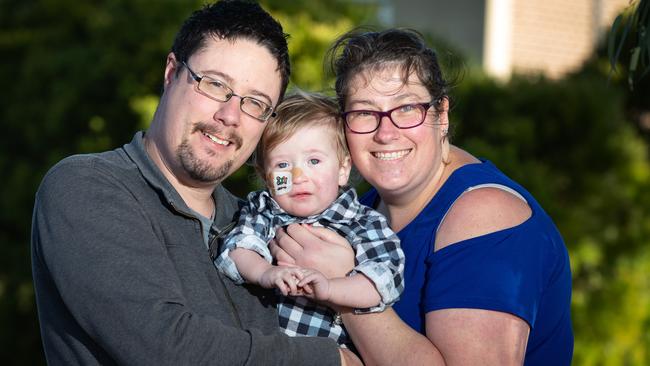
{"x": 232, "y": 20}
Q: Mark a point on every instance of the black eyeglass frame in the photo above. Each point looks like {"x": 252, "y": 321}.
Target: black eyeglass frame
{"x": 196, "y": 77}
{"x": 381, "y": 114}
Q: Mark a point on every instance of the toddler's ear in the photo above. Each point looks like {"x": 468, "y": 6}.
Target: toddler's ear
{"x": 344, "y": 171}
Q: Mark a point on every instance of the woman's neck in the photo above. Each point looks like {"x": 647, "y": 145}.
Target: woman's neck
{"x": 401, "y": 209}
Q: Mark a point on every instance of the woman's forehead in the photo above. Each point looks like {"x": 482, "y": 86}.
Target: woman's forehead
{"x": 386, "y": 80}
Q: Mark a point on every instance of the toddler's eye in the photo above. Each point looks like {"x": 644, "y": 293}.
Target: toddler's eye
{"x": 283, "y": 165}
{"x": 314, "y": 161}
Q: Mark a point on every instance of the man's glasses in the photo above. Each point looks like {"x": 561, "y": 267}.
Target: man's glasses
{"x": 219, "y": 91}
{"x": 404, "y": 116}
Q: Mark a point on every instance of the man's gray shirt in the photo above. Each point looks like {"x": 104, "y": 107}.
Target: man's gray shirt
{"x": 123, "y": 276}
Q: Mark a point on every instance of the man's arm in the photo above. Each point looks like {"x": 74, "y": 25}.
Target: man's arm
{"x": 114, "y": 273}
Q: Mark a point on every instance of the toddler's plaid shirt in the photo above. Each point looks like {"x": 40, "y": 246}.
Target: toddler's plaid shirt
{"x": 378, "y": 256}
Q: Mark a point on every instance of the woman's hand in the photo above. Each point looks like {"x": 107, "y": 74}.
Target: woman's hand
{"x": 313, "y": 247}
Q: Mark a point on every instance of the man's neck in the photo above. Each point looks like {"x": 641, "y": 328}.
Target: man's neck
{"x": 198, "y": 199}
{"x": 197, "y": 196}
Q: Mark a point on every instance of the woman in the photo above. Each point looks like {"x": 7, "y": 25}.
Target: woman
{"x": 487, "y": 274}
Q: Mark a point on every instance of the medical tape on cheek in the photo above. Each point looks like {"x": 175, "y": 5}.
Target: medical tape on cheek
{"x": 281, "y": 182}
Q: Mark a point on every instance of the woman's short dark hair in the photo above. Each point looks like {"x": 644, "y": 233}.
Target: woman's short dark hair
{"x": 359, "y": 51}
{"x": 232, "y": 20}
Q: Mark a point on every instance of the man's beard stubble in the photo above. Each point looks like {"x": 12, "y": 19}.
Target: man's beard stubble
{"x": 199, "y": 170}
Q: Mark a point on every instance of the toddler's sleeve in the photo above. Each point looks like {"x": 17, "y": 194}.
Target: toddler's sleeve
{"x": 252, "y": 233}
{"x": 379, "y": 257}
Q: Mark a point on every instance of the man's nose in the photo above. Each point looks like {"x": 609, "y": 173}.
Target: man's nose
{"x": 229, "y": 112}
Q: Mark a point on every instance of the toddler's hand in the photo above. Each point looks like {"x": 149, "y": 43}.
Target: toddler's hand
{"x": 284, "y": 278}
{"x": 314, "y": 285}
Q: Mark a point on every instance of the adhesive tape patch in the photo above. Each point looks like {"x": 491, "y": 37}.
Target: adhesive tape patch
{"x": 281, "y": 182}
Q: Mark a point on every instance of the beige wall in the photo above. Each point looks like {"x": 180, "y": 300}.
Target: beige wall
{"x": 557, "y": 36}
{"x": 553, "y": 37}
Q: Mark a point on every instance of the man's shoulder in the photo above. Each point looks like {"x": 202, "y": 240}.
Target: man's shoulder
{"x": 76, "y": 170}
{"x": 112, "y": 159}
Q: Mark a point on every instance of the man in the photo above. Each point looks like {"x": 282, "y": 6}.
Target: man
{"x": 121, "y": 239}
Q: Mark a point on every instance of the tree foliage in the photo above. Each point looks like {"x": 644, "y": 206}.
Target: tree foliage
{"x": 634, "y": 24}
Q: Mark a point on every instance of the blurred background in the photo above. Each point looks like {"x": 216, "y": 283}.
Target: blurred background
{"x": 534, "y": 93}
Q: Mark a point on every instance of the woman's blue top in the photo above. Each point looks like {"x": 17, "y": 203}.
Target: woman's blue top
{"x": 523, "y": 270}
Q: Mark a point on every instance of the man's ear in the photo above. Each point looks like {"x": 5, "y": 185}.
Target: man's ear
{"x": 171, "y": 68}
{"x": 344, "y": 171}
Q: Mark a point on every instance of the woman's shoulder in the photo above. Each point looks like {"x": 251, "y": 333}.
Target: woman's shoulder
{"x": 479, "y": 212}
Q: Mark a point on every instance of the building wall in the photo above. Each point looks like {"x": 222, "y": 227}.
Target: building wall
{"x": 555, "y": 37}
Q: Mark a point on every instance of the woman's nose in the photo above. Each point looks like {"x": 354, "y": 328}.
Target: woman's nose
{"x": 387, "y": 131}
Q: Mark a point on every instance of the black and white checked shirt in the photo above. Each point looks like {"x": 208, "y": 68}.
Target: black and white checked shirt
{"x": 378, "y": 256}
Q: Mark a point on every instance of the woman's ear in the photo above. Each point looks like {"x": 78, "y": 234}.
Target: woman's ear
{"x": 443, "y": 113}
{"x": 344, "y": 171}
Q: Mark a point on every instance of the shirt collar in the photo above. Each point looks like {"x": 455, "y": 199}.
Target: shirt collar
{"x": 345, "y": 207}
{"x": 152, "y": 174}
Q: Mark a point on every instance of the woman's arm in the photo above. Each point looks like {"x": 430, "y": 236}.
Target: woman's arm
{"x": 461, "y": 336}
{"x": 384, "y": 339}
{"x": 478, "y": 337}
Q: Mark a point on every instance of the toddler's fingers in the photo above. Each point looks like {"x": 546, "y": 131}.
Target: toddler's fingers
{"x": 283, "y": 288}
{"x": 292, "y": 282}
{"x": 307, "y": 289}
{"x": 298, "y": 273}
{"x": 307, "y": 279}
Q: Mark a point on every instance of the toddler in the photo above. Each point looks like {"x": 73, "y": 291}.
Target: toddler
{"x": 305, "y": 164}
